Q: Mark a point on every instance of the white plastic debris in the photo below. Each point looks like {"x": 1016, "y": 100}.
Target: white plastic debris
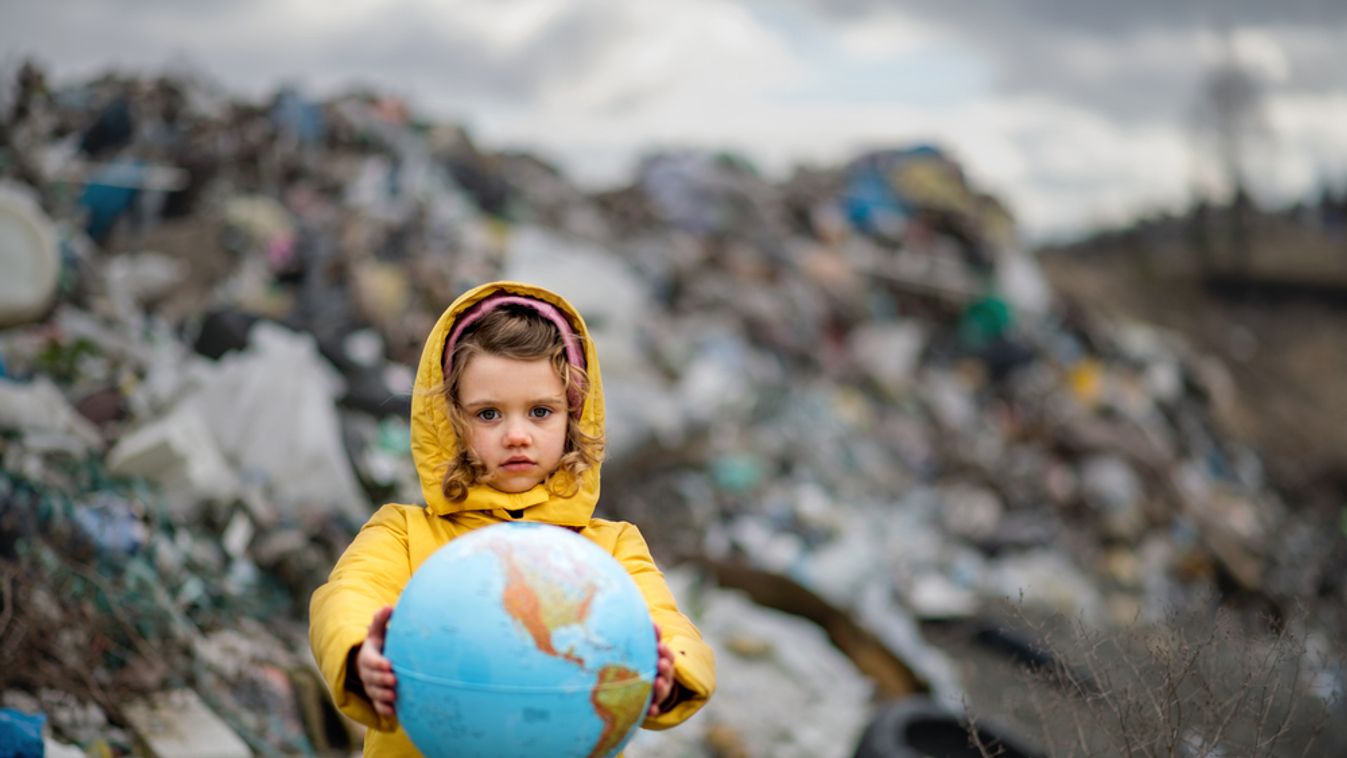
{"x": 39, "y": 408}
{"x": 970, "y": 511}
{"x": 934, "y": 595}
{"x": 134, "y": 279}
{"x": 950, "y": 401}
{"x": 272, "y": 411}
{"x": 1021, "y": 280}
{"x": 53, "y": 749}
{"x": 178, "y": 724}
{"x": 759, "y": 651}
{"x": 839, "y": 569}
{"x": 769, "y": 548}
{"x": 1112, "y": 488}
{"x": 715, "y": 380}
{"x": 1046, "y": 580}
{"x": 889, "y": 352}
{"x": 29, "y": 257}
{"x": 178, "y": 452}
{"x": 877, "y": 611}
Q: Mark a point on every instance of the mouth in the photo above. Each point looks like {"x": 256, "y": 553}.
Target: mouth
{"x": 517, "y": 463}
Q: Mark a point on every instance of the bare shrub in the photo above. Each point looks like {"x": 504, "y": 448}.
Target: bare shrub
{"x": 1218, "y": 686}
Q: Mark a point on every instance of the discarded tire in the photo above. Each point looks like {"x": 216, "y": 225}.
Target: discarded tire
{"x": 918, "y": 728}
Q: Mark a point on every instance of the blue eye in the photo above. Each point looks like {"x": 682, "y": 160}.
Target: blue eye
{"x": 540, "y": 412}
{"x": 488, "y": 414}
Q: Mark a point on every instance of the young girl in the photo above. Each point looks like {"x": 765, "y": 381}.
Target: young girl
{"x": 507, "y": 425}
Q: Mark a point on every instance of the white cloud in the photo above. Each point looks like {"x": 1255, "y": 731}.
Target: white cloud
{"x": 1061, "y": 168}
{"x": 885, "y": 33}
{"x": 1262, "y": 53}
{"x": 505, "y": 26}
{"x": 672, "y": 48}
{"x": 1308, "y": 144}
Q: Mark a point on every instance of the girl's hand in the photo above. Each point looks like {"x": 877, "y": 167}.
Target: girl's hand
{"x": 664, "y": 679}
{"x": 374, "y": 670}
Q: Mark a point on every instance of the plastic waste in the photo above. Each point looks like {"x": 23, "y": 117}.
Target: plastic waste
{"x": 180, "y": 723}
{"x": 179, "y": 452}
{"x": 21, "y": 734}
{"x": 29, "y": 256}
{"x": 39, "y": 408}
{"x": 271, "y": 409}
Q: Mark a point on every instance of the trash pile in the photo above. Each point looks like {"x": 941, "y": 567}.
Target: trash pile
{"x": 840, "y": 406}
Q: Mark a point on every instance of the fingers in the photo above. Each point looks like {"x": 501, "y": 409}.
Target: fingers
{"x": 664, "y": 678}
{"x": 371, "y": 655}
{"x": 378, "y": 626}
{"x": 376, "y": 674}
{"x": 376, "y": 671}
{"x": 382, "y": 697}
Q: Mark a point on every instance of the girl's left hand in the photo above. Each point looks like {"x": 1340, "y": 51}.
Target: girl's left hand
{"x": 664, "y": 678}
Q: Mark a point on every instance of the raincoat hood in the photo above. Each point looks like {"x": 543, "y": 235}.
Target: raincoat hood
{"x": 435, "y": 444}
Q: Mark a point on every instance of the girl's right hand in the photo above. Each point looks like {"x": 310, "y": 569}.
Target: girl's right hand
{"x": 376, "y": 671}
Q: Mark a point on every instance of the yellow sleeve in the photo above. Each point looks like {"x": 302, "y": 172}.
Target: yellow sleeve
{"x": 694, "y": 662}
{"x": 370, "y": 574}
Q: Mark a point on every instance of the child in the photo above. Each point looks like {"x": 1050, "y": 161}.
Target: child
{"x": 507, "y": 425}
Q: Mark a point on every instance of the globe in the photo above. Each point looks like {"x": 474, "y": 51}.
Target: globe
{"x": 521, "y": 640}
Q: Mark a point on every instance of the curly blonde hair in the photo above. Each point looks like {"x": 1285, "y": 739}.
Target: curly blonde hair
{"x": 517, "y": 332}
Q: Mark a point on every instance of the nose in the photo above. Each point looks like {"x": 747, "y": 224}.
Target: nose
{"x": 517, "y": 434}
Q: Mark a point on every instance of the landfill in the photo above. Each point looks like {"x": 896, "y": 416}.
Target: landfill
{"x": 846, "y": 408}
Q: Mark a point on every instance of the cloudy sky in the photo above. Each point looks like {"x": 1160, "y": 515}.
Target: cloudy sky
{"x": 1075, "y": 112}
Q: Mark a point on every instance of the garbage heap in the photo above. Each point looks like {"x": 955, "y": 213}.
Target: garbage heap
{"x": 841, "y": 406}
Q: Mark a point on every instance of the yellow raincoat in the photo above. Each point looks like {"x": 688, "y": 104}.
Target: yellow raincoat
{"x": 398, "y": 538}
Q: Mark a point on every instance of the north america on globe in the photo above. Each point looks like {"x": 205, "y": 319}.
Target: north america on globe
{"x": 543, "y": 593}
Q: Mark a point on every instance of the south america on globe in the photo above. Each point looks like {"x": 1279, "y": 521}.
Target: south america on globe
{"x": 521, "y": 640}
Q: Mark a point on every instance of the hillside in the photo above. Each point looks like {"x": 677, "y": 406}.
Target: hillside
{"x": 1267, "y": 297}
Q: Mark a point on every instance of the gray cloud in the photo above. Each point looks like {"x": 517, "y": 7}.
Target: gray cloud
{"x": 414, "y": 48}
{"x": 415, "y": 45}
{"x": 1104, "y": 19}
{"x": 1134, "y": 63}
{"x": 1036, "y": 46}
{"x": 449, "y": 61}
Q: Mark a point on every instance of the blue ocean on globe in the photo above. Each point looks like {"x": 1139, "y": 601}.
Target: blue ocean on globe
{"x": 521, "y": 640}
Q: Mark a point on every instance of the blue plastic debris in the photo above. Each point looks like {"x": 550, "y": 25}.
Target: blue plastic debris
{"x": 21, "y": 734}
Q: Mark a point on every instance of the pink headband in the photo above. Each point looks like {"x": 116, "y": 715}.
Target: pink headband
{"x": 574, "y": 354}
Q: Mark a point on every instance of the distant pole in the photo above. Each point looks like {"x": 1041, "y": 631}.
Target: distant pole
{"x": 1231, "y": 121}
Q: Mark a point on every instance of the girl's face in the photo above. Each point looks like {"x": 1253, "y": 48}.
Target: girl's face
{"x": 517, "y": 419}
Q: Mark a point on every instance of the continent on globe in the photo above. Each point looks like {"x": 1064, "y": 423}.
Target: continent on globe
{"x": 521, "y": 640}
{"x": 619, "y": 698}
{"x": 539, "y": 603}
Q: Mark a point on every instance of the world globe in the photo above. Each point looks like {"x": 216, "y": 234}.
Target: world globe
{"x": 521, "y": 640}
